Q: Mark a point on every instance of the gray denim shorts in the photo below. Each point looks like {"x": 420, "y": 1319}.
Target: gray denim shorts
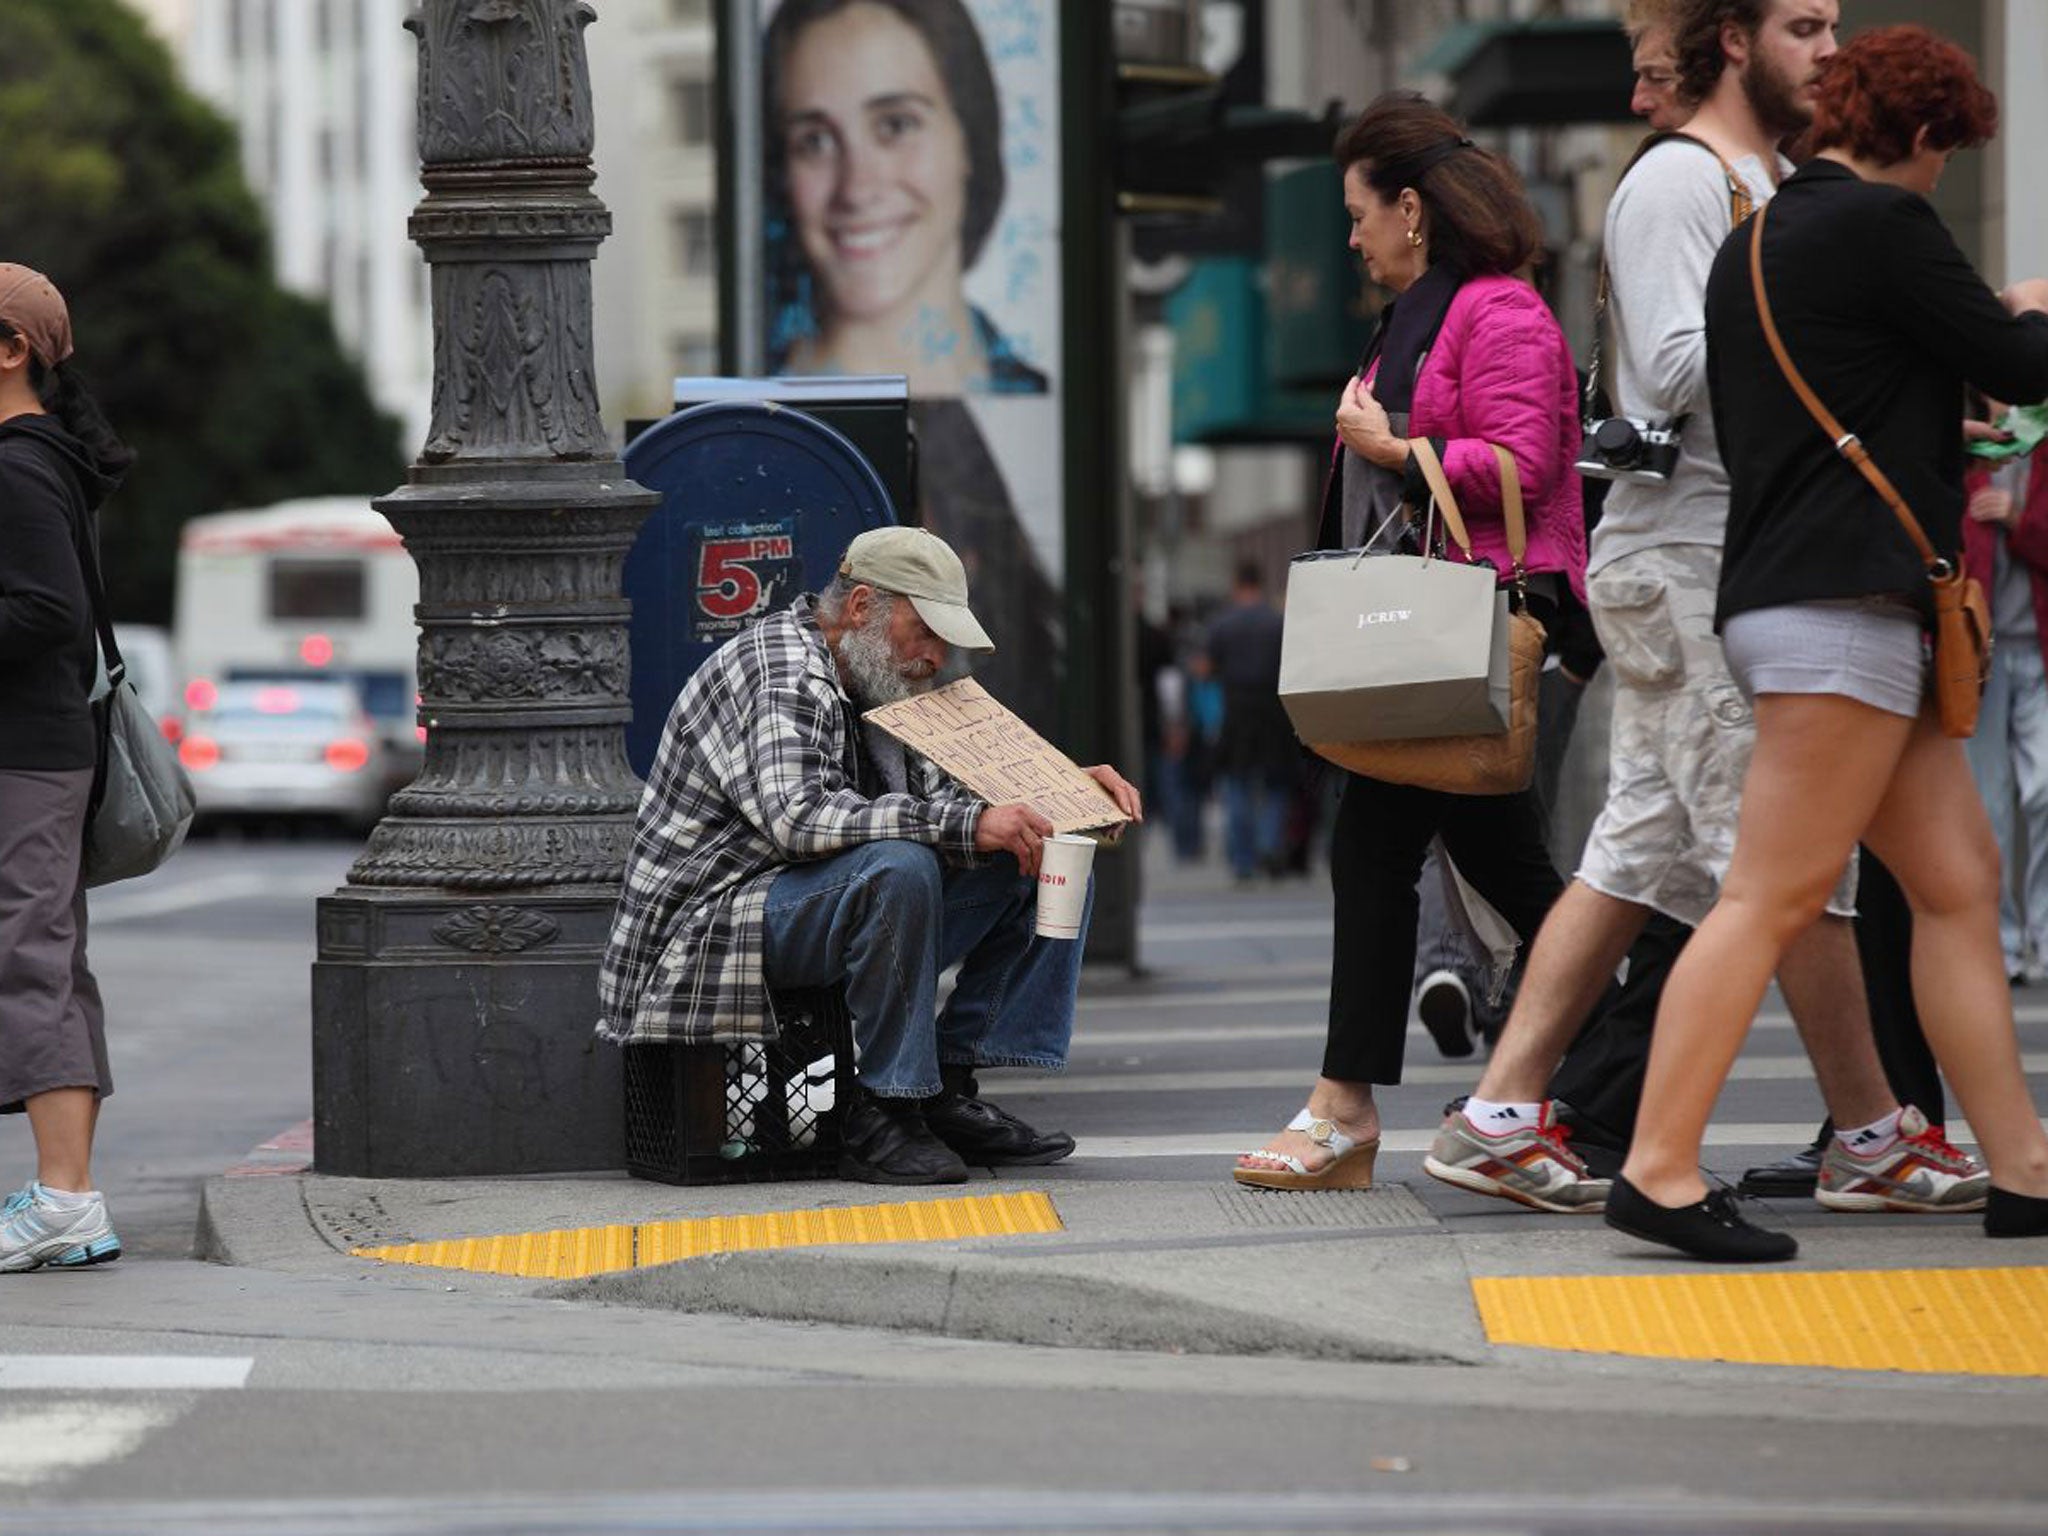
{"x": 1872, "y": 651}
{"x": 1680, "y": 740}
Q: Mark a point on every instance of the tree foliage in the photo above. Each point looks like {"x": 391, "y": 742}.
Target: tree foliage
{"x": 127, "y": 190}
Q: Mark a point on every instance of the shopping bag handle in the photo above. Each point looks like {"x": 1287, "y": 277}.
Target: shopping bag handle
{"x": 1447, "y": 503}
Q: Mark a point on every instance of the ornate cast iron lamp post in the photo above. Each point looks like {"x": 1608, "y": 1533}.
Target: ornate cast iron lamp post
{"x": 455, "y": 992}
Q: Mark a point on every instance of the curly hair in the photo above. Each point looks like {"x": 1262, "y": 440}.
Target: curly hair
{"x": 1480, "y": 219}
{"x": 1879, "y": 91}
{"x": 1696, "y": 40}
{"x": 1641, "y": 16}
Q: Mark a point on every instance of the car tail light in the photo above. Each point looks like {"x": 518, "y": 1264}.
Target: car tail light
{"x": 173, "y": 729}
{"x": 199, "y": 752}
{"x": 316, "y": 650}
{"x": 347, "y": 754}
{"x": 200, "y": 694}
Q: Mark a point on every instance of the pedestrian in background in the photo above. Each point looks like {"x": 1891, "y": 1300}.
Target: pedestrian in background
{"x": 1468, "y": 357}
{"x": 1823, "y": 605}
{"x": 2005, "y": 547}
{"x": 59, "y": 460}
{"x": 1256, "y": 757}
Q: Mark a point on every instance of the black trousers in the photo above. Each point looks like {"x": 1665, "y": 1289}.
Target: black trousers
{"x": 1376, "y": 852}
{"x": 1602, "y": 1077}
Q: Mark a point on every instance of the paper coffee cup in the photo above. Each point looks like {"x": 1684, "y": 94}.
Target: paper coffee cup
{"x": 1063, "y": 864}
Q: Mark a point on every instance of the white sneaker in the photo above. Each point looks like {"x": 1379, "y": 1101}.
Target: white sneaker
{"x": 35, "y": 1230}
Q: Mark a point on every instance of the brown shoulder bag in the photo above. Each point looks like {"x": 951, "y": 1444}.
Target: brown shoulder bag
{"x": 1962, "y": 619}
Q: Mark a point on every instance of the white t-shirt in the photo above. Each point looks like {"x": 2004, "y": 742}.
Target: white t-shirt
{"x": 1666, "y": 222}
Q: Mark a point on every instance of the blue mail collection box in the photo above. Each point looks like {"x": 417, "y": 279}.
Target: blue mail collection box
{"x": 759, "y": 498}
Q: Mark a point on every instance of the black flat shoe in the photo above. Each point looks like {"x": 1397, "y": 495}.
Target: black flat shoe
{"x": 2009, "y": 1215}
{"x": 886, "y": 1141}
{"x": 1713, "y": 1229}
{"x": 1791, "y": 1177}
{"x": 990, "y": 1137}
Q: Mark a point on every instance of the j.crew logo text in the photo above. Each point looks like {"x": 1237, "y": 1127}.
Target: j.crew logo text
{"x": 1385, "y": 616}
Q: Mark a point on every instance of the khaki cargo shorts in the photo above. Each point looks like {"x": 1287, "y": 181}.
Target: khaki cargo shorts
{"x": 1681, "y": 738}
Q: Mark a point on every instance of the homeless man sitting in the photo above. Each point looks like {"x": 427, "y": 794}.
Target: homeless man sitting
{"x": 782, "y": 842}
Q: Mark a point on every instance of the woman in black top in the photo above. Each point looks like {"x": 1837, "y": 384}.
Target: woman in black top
{"x": 1823, "y": 601}
{"x": 58, "y": 461}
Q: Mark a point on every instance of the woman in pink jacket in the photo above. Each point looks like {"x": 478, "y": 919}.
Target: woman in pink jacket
{"x": 1466, "y": 356}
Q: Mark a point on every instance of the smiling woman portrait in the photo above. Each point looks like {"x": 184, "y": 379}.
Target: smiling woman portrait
{"x": 884, "y": 180}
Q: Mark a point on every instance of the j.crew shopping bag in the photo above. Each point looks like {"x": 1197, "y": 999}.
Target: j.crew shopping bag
{"x": 1393, "y": 647}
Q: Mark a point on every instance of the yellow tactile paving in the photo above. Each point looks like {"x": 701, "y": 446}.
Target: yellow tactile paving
{"x": 1982, "y": 1322}
{"x": 568, "y": 1253}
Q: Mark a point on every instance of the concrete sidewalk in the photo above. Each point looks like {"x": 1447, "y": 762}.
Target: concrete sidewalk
{"x": 1405, "y": 1272}
{"x": 1143, "y": 1242}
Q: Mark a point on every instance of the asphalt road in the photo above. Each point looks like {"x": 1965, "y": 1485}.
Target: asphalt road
{"x": 167, "y": 1395}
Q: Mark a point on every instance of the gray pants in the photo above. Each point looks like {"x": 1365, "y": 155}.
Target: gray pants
{"x": 52, "y": 1027}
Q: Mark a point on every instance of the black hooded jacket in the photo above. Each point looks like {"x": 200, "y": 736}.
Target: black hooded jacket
{"x": 50, "y": 489}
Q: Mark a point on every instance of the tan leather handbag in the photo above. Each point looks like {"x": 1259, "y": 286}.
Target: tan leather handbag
{"x": 1962, "y": 618}
{"x": 1497, "y": 764}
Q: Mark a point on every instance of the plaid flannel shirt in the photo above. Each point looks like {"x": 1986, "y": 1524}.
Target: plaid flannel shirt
{"x": 760, "y": 766}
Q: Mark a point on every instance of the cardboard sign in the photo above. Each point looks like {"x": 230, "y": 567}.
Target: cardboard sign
{"x": 998, "y": 756}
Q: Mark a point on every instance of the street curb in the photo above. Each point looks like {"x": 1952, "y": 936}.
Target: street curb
{"x": 969, "y": 1296}
{"x": 257, "y": 1224}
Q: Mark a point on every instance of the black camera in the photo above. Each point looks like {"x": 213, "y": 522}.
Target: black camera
{"x": 1624, "y": 448}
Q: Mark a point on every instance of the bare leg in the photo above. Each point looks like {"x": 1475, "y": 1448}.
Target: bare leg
{"x": 1822, "y": 980}
{"x": 1821, "y": 767}
{"x": 62, "y": 1122}
{"x": 1932, "y": 832}
{"x": 1348, "y": 1105}
{"x": 1570, "y": 964}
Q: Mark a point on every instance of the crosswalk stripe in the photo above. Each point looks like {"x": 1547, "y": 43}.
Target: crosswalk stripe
{"x": 1226, "y": 1144}
{"x": 124, "y": 1373}
{"x": 59, "y": 1438}
{"x": 1093, "y": 1030}
{"x": 1754, "y": 1069}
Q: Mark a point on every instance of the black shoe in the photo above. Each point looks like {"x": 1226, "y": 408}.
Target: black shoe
{"x": 886, "y": 1141}
{"x": 2009, "y": 1215}
{"x": 1599, "y": 1149}
{"x": 1444, "y": 1004}
{"x": 1713, "y": 1229}
{"x": 1795, "y": 1176}
{"x": 985, "y": 1135}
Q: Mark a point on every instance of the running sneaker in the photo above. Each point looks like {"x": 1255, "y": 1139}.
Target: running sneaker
{"x": 1920, "y": 1171}
{"x": 35, "y": 1230}
{"x": 1530, "y": 1165}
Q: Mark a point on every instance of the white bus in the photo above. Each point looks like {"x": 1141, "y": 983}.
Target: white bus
{"x": 316, "y": 588}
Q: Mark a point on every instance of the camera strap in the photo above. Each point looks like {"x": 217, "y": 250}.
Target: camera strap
{"x": 1741, "y": 204}
{"x": 1847, "y": 443}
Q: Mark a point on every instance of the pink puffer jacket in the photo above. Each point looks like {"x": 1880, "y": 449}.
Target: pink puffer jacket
{"x": 1501, "y": 372}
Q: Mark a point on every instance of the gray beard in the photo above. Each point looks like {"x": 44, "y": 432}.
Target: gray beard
{"x": 873, "y": 677}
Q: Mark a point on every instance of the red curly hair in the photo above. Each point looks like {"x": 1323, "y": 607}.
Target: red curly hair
{"x": 1881, "y": 89}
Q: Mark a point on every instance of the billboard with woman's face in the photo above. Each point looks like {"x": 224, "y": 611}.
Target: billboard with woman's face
{"x": 910, "y": 197}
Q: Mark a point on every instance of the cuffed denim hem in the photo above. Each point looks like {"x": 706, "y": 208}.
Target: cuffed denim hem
{"x": 1035, "y": 1063}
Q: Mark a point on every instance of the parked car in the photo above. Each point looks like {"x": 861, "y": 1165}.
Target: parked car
{"x": 295, "y": 749}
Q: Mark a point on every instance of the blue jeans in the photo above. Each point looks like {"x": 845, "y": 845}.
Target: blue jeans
{"x": 2009, "y": 756}
{"x": 886, "y": 918}
{"x": 1255, "y": 822}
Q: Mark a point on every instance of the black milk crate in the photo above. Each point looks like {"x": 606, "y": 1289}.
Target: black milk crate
{"x": 736, "y": 1114}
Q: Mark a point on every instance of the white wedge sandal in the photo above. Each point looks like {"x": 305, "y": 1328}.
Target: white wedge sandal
{"x": 1349, "y": 1167}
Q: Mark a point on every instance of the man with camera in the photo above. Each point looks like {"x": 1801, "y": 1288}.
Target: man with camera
{"x": 1682, "y": 731}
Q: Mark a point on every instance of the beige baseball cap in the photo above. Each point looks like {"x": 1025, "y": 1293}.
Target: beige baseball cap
{"x": 922, "y": 567}
{"x": 31, "y": 304}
